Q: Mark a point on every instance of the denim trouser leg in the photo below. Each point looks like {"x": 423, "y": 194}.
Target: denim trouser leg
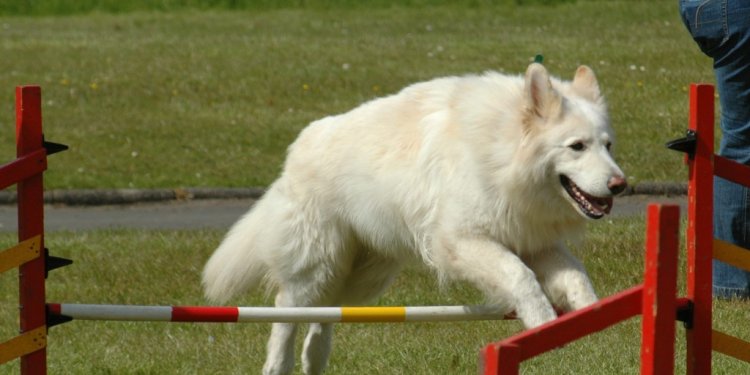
{"x": 722, "y": 30}
{"x": 731, "y": 215}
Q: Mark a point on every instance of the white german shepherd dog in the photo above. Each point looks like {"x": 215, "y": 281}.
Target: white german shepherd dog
{"x": 481, "y": 178}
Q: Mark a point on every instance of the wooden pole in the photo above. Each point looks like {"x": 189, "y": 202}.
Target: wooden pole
{"x": 31, "y": 223}
{"x": 700, "y": 229}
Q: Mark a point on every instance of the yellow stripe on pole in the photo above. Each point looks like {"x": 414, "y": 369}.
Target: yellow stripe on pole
{"x": 373, "y": 314}
{"x": 730, "y": 345}
{"x": 732, "y": 254}
{"x": 24, "y": 344}
{"x": 21, "y": 253}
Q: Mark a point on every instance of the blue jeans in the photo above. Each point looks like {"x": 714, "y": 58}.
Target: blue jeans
{"x": 722, "y": 30}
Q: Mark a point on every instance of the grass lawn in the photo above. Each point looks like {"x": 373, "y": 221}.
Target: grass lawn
{"x": 213, "y": 97}
{"x": 155, "y": 267}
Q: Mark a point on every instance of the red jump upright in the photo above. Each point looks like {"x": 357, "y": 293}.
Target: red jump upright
{"x": 31, "y": 221}
{"x": 702, "y": 247}
{"x": 655, "y": 299}
{"x": 659, "y": 305}
{"x": 26, "y": 171}
{"x": 699, "y": 235}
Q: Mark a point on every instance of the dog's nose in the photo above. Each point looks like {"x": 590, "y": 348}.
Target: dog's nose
{"x": 617, "y": 184}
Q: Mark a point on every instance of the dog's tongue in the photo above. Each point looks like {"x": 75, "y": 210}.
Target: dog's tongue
{"x": 602, "y": 204}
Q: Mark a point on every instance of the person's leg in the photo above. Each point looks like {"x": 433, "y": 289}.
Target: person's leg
{"x": 731, "y": 215}
{"x": 732, "y": 201}
{"x": 722, "y": 30}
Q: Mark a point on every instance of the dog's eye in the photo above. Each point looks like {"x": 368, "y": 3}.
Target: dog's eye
{"x": 609, "y": 145}
{"x": 578, "y": 146}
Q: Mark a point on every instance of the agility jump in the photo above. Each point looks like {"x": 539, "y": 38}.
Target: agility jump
{"x": 655, "y": 299}
{"x": 34, "y": 262}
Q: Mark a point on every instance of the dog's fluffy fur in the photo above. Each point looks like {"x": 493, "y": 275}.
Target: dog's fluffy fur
{"x": 482, "y": 178}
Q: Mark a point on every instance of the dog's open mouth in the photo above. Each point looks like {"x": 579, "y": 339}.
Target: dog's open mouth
{"x": 591, "y": 206}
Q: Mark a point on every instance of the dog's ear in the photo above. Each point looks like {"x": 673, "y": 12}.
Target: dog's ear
{"x": 542, "y": 100}
{"x": 585, "y": 84}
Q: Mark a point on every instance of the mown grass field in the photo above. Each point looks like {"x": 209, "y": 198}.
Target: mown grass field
{"x": 163, "y": 268}
{"x": 206, "y": 96}
{"x": 213, "y": 97}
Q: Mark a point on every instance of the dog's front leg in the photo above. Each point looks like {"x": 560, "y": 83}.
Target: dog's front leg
{"x": 563, "y": 278}
{"x": 500, "y": 274}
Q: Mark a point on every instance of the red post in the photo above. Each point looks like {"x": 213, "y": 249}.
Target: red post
{"x": 500, "y": 359}
{"x": 700, "y": 229}
{"x": 660, "y": 290}
{"x": 508, "y": 359}
{"x": 488, "y": 358}
{"x": 505, "y": 356}
{"x": 31, "y": 222}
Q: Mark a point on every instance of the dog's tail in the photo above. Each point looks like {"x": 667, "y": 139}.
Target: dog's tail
{"x": 238, "y": 264}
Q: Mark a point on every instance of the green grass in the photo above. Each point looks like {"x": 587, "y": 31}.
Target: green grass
{"x": 206, "y": 96}
{"x": 66, "y": 7}
{"x": 163, "y": 267}
{"x": 213, "y": 97}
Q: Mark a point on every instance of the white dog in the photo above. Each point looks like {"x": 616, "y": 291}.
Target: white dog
{"x": 482, "y": 178}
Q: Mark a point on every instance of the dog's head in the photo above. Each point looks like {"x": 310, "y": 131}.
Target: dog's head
{"x": 570, "y": 120}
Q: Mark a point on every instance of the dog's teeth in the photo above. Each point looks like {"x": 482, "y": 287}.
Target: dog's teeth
{"x": 590, "y": 205}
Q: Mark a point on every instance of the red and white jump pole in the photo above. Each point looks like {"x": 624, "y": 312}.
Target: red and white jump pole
{"x": 209, "y": 314}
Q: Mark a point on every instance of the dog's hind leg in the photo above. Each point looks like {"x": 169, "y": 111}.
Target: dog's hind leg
{"x": 317, "y": 345}
{"x": 317, "y": 348}
{"x": 280, "y": 354}
{"x": 305, "y": 291}
{"x": 318, "y": 283}
{"x": 280, "y": 349}
{"x": 368, "y": 278}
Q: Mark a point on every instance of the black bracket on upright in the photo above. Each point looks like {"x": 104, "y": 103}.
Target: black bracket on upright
{"x": 54, "y": 319}
{"x": 685, "y": 314}
{"x": 52, "y": 147}
{"x": 685, "y": 144}
{"x": 53, "y": 262}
